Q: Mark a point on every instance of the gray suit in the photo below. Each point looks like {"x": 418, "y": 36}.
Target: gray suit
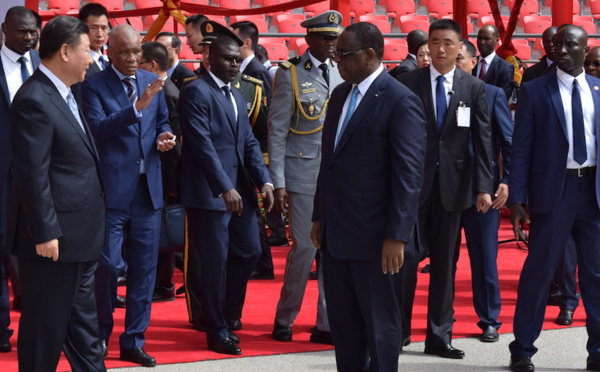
{"x": 294, "y": 159}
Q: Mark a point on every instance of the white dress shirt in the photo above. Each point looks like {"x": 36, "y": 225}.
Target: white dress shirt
{"x": 221, "y": 84}
{"x": 12, "y": 69}
{"x": 433, "y": 73}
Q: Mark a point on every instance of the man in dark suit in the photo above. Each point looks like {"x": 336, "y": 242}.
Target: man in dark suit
{"x": 413, "y": 39}
{"x": 457, "y": 115}
{"x": 221, "y": 164}
{"x": 490, "y": 68}
{"x": 546, "y": 64}
{"x": 481, "y": 229}
{"x": 20, "y": 30}
{"x": 553, "y": 170}
{"x": 366, "y": 202}
{"x": 176, "y": 71}
{"x": 248, "y": 33}
{"x": 57, "y": 212}
{"x": 130, "y": 127}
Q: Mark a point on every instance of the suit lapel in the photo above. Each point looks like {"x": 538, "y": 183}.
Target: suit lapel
{"x": 115, "y": 85}
{"x": 220, "y": 97}
{"x": 335, "y": 111}
{"x": 4, "y": 84}
{"x": 595, "y": 88}
{"x": 552, "y": 86}
{"x": 366, "y": 104}
{"x": 491, "y": 71}
{"x": 458, "y": 90}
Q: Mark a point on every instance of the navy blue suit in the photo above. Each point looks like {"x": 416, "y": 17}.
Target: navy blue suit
{"x": 481, "y": 229}
{"x": 219, "y": 153}
{"x": 559, "y": 204}
{"x": 499, "y": 73}
{"x": 367, "y": 191}
{"x": 132, "y": 199}
{"x": 5, "y": 192}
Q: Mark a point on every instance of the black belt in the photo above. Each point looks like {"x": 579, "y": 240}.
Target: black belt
{"x": 582, "y": 172}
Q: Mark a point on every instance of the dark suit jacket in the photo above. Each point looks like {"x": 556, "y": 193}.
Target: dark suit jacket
{"x": 409, "y": 64}
{"x": 540, "y": 144}
{"x": 76, "y": 88}
{"x": 57, "y": 188}
{"x": 5, "y": 156}
{"x": 502, "y": 131}
{"x": 216, "y": 146}
{"x": 368, "y": 187}
{"x": 500, "y": 73}
{"x": 181, "y": 72}
{"x": 259, "y": 71}
{"x": 448, "y": 152}
{"x": 123, "y": 139}
{"x": 537, "y": 70}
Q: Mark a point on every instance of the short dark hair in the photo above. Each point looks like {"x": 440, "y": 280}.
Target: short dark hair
{"x": 92, "y": 9}
{"x": 261, "y": 53}
{"x": 157, "y": 52}
{"x": 196, "y": 20}
{"x": 175, "y": 40}
{"x": 414, "y": 39}
{"x": 446, "y": 24}
{"x": 17, "y": 12}
{"x": 470, "y": 47}
{"x": 38, "y": 19}
{"x": 368, "y": 36}
{"x": 247, "y": 30}
{"x": 61, "y": 30}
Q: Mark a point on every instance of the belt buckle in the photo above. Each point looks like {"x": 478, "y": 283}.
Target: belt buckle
{"x": 579, "y": 172}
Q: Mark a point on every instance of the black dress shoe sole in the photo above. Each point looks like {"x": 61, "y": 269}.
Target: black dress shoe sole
{"x": 457, "y": 354}
{"x": 521, "y": 366}
{"x": 222, "y": 349}
{"x": 149, "y": 362}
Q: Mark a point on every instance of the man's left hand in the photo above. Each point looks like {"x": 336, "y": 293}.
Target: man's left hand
{"x": 501, "y": 196}
{"x": 484, "y": 202}
{"x": 392, "y": 256}
{"x": 268, "y": 199}
{"x": 165, "y": 142}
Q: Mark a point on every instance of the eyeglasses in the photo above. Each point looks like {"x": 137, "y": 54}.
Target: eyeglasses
{"x": 342, "y": 55}
{"x": 588, "y": 64}
{"x": 230, "y": 59}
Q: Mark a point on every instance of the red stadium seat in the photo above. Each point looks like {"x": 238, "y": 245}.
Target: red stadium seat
{"x": 414, "y": 17}
{"x": 291, "y": 26}
{"x": 489, "y": 20}
{"x": 195, "y": 2}
{"x": 235, "y": 4}
{"x": 523, "y": 51}
{"x": 520, "y": 42}
{"x": 316, "y": 9}
{"x": 577, "y": 17}
{"x": 360, "y": 7}
{"x": 410, "y": 25}
{"x": 135, "y": 22}
{"x": 440, "y": 8}
{"x": 280, "y": 17}
{"x": 394, "y": 40}
{"x": 587, "y": 26}
{"x": 110, "y": 5}
{"x": 302, "y": 46}
{"x": 592, "y": 43}
{"x": 535, "y": 17}
{"x": 595, "y": 8}
{"x": 63, "y": 6}
{"x": 470, "y": 27}
{"x": 394, "y": 52}
{"x": 383, "y": 26}
{"x": 478, "y": 8}
{"x": 274, "y": 2}
{"x": 536, "y": 27}
{"x": 373, "y": 17}
{"x": 141, "y": 4}
{"x": 398, "y": 8}
{"x": 277, "y": 52}
{"x": 527, "y": 8}
{"x": 249, "y": 17}
{"x": 280, "y": 40}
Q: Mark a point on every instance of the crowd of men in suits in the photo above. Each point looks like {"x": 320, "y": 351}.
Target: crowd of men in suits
{"x": 376, "y": 170}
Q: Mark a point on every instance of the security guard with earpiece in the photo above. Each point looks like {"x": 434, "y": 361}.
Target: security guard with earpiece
{"x": 301, "y": 91}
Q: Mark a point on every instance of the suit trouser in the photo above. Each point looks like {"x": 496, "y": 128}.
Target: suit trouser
{"x": 59, "y": 312}
{"x": 481, "y": 233}
{"x": 4, "y": 297}
{"x": 225, "y": 248}
{"x": 406, "y": 291}
{"x": 576, "y": 214}
{"x": 298, "y": 263}
{"x": 439, "y": 231}
{"x": 143, "y": 235}
{"x": 364, "y": 314}
{"x": 565, "y": 280}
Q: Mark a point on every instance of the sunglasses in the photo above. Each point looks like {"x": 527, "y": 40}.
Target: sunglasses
{"x": 231, "y": 59}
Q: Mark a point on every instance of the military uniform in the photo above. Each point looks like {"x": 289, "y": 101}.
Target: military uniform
{"x": 296, "y": 115}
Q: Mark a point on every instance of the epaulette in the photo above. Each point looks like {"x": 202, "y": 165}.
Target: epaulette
{"x": 252, "y": 79}
{"x": 293, "y": 61}
{"x": 191, "y": 78}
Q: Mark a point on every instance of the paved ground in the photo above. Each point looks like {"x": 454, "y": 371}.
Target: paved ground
{"x": 560, "y": 351}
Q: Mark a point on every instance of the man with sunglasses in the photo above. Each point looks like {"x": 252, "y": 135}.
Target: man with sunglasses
{"x": 221, "y": 165}
{"x": 302, "y": 87}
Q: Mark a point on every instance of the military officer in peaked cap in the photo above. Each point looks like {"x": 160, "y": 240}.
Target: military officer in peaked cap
{"x": 302, "y": 87}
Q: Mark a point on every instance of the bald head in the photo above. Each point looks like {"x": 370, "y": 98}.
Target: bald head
{"x": 547, "y": 37}
{"x": 414, "y": 39}
{"x": 124, "y": 49}
{"x": 570, "y": 49}
{"x": 487, "y": 39}
{"x": 592, "y": 62}
{"x": 20, "y": 29}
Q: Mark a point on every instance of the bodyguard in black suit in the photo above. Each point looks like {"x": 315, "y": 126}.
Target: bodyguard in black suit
{"x": 546, "y": 64}
{"x": 176, "y": 71}
{"x": 456, "y": 114}
{"x": 413, "y": 39}
{"x": 57, "y": 214}
{"x": 366, "y": 201}
{"x": 496, "y": 71}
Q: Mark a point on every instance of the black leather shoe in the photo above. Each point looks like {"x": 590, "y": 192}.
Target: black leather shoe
{"x": 262, "y": 275}
{"x": 163, "y": 297}
{"x": 592, "y": 365}
{"x": 521, "y": 363}
{"x": 138, "y": 356}
{"x": 225, "y": 346}
{"x": 426, "y": 269}
{"x": 234, "y": 324}
{"x": 5, "y": 346}
{"x": 121, "y": 302}
{"x": 233, "y": 337}
{"x": 320, "y": 337}
{"x": 281, "y": 333}
{"x": 565, "y": 317}
{"x": 490, "y": 334}
{"x": 406, "y": 341}
{"x": 446, "y": 351}
{"x": 282, "y": 242}
{"x": 313, "y": 275}
{"x": 104, "y": 348}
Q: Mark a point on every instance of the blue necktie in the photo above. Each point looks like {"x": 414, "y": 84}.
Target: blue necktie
{"x": 73, "y": 106}
{"x": 225, "y": 89}
{"x": 131, "y": 94}
{"x": 579, "y": 148}
{"x": 440, "y": 101}
{"x": 24, "y": 71}
{"x": 102, "y": 63}
{"x": 351, "y": 108}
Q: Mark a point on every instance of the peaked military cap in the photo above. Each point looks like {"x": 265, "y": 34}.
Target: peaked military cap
{"x": 327, "y": 23}
{"x": 211, "y": 30}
